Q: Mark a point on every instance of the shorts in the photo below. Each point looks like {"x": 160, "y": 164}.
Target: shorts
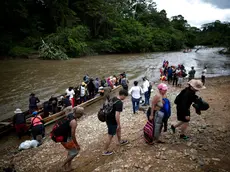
{"x": 181, "y": 116}
{"x": 70, "y": 147}
{"x": 112, "y": 129}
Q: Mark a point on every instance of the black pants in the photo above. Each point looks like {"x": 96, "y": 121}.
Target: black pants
{"x": 203, "y": 79}
{"x": 175, "y": 80}
{"x": 165, "y": 123}
{"x": 38, "y": 130}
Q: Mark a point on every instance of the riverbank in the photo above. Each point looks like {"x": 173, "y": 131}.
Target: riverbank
{"x": 207, "y": 149}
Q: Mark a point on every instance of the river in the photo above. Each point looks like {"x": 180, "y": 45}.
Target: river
{"x": 45, "y": 78}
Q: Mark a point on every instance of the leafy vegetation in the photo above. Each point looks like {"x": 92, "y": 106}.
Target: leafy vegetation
{"x": 82, "y": 27}
{"x": 48, "y": 51}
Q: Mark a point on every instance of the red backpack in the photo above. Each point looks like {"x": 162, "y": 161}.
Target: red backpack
{"x": 62, "y": 130}
{"x": 148, "y": 132}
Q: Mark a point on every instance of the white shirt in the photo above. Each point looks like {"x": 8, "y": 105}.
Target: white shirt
{"x": 82, "y": 91}
{"x": 146, "y": 86}
{"x": 204, "y": 72}
{"x": 136, "y": 92}
{"x": 70, "y": 93}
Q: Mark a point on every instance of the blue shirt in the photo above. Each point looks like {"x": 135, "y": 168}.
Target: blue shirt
{"x": 170, "y": 71}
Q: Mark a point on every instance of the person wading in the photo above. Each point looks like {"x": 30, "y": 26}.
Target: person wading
{"x": 33, "y": 103}
{"x": 136, "y": 92}
{"x": 146, "y": 91}
{"x": 184, "y": 101}
{"x": 191, "y": 74}
{"x": 113, "y": 121}
{"x": 156, "y": 115}
{"x": 203, "y": 76}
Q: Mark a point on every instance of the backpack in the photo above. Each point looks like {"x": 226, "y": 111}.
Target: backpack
{"x": 106, "y": 110}
{"x": 166, "y": 109}
{"x": 148, "y": 132}
{"x": 60, "y": 131}
{"x": 178, "y": 97}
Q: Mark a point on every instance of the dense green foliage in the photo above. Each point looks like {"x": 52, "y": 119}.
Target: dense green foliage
{"x": 83, "y": 27}
{"x": 215, "y": 34}
{"x": 48, "y": 51}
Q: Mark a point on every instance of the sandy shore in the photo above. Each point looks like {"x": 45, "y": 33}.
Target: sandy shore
{"x": 208, "y": 148}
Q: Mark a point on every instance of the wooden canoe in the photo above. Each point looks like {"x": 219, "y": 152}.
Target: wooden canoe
{"x": 59, "y": 115}
{"x": 6, "y": 125}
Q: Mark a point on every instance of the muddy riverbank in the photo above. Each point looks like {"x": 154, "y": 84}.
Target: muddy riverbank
{"x": 207, "y": 149}
{"x": 21, "y": 77}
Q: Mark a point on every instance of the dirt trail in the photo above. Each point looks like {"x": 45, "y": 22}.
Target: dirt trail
{"x": 207, "y": 150}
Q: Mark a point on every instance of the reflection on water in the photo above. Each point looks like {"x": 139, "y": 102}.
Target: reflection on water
{"x": 21, "y": 77}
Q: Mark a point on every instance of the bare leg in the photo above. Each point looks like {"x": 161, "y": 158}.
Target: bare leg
{"x": 184, "y": 127}
{"x": 178, "y": 124}
{"x": 68, "y": 162}
{"x": 108, "y": 142}
{"x": 119, "y": 136}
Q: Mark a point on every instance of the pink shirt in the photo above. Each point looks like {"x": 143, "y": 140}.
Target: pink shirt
{"x": 36, "y": 120}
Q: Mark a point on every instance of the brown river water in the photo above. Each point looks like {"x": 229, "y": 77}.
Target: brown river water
{"x": 45, "y": 78}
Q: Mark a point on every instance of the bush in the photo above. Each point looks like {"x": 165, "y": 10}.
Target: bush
{"x": 19, "y": 51}
{"x": 73, "y": 40}
{"x": 48, "y": 51}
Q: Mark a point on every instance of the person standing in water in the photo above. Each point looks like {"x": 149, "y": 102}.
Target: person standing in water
{"x": 183, "y": 103}
{"x": 191, "y": 74}
{"x": 203, "y": 75}
{"x": 33, "y": 103}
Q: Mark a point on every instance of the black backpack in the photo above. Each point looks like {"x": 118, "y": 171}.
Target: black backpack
{"x": 106, "y": 109}
{"x": 61, "y": 130}
{"x": 178, "y": 97}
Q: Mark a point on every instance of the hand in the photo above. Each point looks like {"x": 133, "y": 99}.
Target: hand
{"x": 151, "y": 117}
{"x": 187, "y": 118}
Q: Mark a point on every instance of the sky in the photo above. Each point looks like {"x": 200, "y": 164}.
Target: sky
{"x": 197, "y": 12}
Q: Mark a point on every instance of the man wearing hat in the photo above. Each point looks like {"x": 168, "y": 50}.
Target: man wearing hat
{"x": 83, "y": 92}
{"x": 19, "y": 122}
{"x": 184, "y": 101}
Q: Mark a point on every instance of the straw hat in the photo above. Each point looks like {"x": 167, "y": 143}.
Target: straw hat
{"x": 18, "y": 110}
{"x": 196, "y": 84}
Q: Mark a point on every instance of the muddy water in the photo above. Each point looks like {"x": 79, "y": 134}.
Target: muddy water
{"x": 21, "y": 77}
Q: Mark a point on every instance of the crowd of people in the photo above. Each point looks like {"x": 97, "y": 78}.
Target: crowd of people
{"x": 73, "y": 96}
{"x": 175, "y": 75}
{"x": 157, "y": 115}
